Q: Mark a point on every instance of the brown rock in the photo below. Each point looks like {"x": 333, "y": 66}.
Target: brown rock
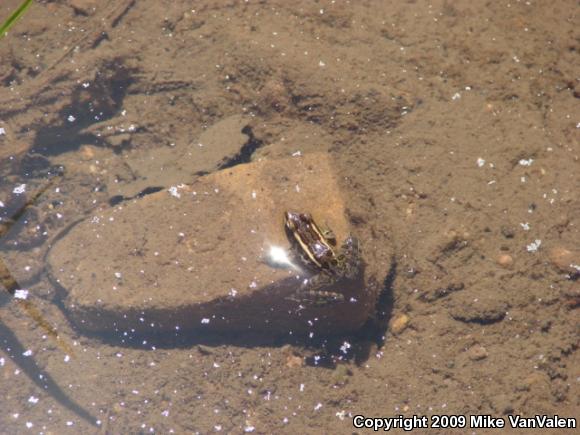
{"x": 477, "y": 353}
{"x": 196, "y": 257}
{"x": 119, "y": 140}
{"x": 86, "y": 152}
{"x": 399, "y": 324}
{"x": 564, "y": 259}
{"x": 216, "y": 146}
{"x": 505, "y": 260}
{"x": 477, "y": 306}
{"x": 294, "y": 361}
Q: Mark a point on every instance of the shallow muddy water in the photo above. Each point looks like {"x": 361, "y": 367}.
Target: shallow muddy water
{"x": 451, "y": 130}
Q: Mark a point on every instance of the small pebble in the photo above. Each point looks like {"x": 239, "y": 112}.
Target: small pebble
{"x": 505, "y": 260}
{"x": 564, "y": 259}
{"x": 399, "y": 324}
{"x": 477, "y": 353}
{"x": 293, "y": 361}
{"x": 87, "y": 152}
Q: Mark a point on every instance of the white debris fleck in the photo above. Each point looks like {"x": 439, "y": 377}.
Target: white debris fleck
{"x": 341, "y": 414}
{"x": 69, "y": 423}
{"x": 27, "y": 353}
{"x": 2, "y": 204}
{"x": 71, "y": 118}
{"x": 233, "y": 292}
{"x": 205, "y": 320}
{"x": 253, "y": 284}
{"x": 345, "y": 347}
{"x": 321, "y": 64}
{"x": 456, "y": 96}
{"x": 249, "y": 429}
{"x": 533, "y": 247}
{"x": 254, "y": 194}
{"x": 2, "y": 362}
{"x": 301, "y": 388}
{"x": 29, "y": 424}
{"x": 318, "y": 406}
{"x": 297, "y": 153}
{"x": 19, "y": 190}
{"x": 297, "y": 188}
{"x": 525, "y": 226}
{"x": 21, "y": 294}
{"x": 174, "y": 192}
{"x": 66, "y": 358}
{"x": 526, "y": 162}
{"x": 165, "y": 413}
{"x": 33, "y": 400}
{"x": 118, "y": 275}
{"x": 480, "y": 162}
{"x": 2, "y": 131}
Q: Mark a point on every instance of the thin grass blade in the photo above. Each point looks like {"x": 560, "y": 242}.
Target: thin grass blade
{"x": 14, "y": 17}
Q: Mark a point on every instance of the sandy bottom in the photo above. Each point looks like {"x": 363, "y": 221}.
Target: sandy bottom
{"x": 453, "y": 128}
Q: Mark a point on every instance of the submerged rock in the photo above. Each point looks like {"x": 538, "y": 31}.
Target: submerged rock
{"x": 564, "y": 260}
{"x": 196, "y": 257}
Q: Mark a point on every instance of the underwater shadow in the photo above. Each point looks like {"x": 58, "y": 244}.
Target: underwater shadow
{"x": 326, "y": 349}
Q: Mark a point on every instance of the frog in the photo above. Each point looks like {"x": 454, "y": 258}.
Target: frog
{"x": 330, "y": 267}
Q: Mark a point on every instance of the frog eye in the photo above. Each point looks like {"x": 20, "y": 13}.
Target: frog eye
{"x": 290, "y": 224}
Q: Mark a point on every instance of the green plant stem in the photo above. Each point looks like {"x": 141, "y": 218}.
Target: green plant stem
{"x": 12, "y": 18}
